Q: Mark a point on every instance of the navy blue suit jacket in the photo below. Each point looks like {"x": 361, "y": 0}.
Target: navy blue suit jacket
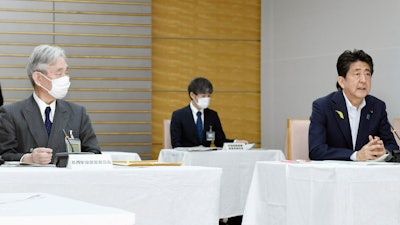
{"x": 184, "y": 133}
{"x": 330, "y": 135}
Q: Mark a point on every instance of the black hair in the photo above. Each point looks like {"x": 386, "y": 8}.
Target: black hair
{"x": 347, "y": 58}
{"x": 200, "y": 85}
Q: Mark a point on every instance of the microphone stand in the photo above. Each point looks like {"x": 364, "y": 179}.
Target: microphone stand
{"x": 396, "y": 153}
{"x": 67, "y": 138}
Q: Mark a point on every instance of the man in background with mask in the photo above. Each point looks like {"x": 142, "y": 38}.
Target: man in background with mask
{"x": 196, "y": 124}
{"x": 32, "y": 130}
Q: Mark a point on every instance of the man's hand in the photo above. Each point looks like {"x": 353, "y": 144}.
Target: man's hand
{"x": 39, "y": 156}
{"x": 372, "y": 150}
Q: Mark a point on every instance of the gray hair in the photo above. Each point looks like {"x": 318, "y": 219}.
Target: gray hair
{"x": 41, "y": 57}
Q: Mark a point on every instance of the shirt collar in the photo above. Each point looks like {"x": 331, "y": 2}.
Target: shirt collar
{"x": 194, "y": 109}
{"x": 42, "y": 106}
{"x": 349, "y": 105}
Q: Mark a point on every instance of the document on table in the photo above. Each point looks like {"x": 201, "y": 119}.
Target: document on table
{"x": 196, "y": 148}
{"x": 17, "y": 163}
{"x": 143, "y": 163}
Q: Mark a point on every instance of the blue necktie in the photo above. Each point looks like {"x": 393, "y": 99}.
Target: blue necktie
{"x": 47, "y": 122}
{"x": 199, "y": 125}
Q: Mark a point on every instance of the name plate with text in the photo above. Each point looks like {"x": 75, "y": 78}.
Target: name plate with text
{"x": 89, "y": 161}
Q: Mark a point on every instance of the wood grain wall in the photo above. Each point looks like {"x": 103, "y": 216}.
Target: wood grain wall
{"x": 108, "y": 45}
{"x": 216, "y": 39}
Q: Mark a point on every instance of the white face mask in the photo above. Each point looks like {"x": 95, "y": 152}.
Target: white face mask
{"x": 59, "y": 86}
{"x": 203, "y": 103}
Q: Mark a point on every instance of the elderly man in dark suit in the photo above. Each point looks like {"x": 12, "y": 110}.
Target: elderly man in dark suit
{"x": 350, "y": 124}
{"x": 1, "y": 97}
{"x": 32, "y": 130}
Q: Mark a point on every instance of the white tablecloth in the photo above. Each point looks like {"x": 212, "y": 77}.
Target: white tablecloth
{"x": 121, "y": 156}
{"x": 237, "y": 165}
{"x": 46, "y": 209}
{"x": 328, "y": 193}
{"x": 157, "y": 195}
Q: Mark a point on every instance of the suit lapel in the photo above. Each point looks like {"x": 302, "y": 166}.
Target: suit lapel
{"x": 363, "y": 129}
{"x": 207, "y": 123}
{"x": 59, "y": 123}
{"x": 190, "y": 120}
{"x": 35, "y": 123}
{"x": 341, "y": 116}
{"x": 193, "y": 128}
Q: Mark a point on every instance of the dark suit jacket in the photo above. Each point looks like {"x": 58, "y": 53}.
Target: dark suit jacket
{"x": 184, "y": 132}
{"x": 330, "y": 134}
{"x": 22, "y": 128}
{"x": 1, "y": 97}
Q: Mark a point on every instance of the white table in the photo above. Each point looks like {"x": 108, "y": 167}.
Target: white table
{"x": 46, "y": 209}
{"x": 171, "y": 195}
{"x": 237, "y": 165}
{"x": 121, "y": 156}
{"x": 328, "y": 193}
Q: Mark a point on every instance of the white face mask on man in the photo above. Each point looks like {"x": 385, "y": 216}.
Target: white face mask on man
{"x": 59, "y": 86}
{"x": 203, "y": 103}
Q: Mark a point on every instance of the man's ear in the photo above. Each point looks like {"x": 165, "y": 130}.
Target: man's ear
{"x": 36, "y": 76}
{"x": 192, "y": 95}
{"x": 340, "y": 81}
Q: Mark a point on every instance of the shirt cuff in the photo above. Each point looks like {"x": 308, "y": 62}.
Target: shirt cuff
{"x": 354, "y": 156}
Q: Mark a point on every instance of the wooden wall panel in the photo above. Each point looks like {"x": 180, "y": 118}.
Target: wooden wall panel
{"x": 219, "y": 40}
{"x": 108, "y": 46}
{"x": 225, "y": 62}
{"x": 216, "y": 19}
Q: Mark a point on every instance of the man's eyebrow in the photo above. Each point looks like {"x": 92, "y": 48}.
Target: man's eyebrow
{"x": 367, "y": 70}
{"x": 358, "y": 69}
{"x": 61, "y": 69}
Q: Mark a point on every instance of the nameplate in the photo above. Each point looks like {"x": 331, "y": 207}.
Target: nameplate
{"x": 89, "y": 161}
{"x": 233, "y": 146}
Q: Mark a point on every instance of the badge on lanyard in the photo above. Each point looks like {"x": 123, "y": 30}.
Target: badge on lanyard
{"x": 210, "y": 135}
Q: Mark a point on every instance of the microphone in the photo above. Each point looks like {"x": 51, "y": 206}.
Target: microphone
{"x": 61, "y": 159}
{"x": 67, "y": 138}
{"x": 396, "y": 153}
{"x": 394, "y": 131}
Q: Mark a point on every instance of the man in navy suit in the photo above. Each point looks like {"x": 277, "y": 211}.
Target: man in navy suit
{"x": 184, "y": 132}
{"x": 184, "y": 129}
{"x": 350, "y": 124}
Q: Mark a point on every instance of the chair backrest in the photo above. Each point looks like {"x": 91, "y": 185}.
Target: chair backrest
{"x": 396, "y": 127}
{"x": 167, "y": 135}
{"x": 297, "y": 139}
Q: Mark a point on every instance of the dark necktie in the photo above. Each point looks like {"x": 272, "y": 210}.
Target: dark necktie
{"x": 47, "y": 122}
{"x": 199, "y": 125}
